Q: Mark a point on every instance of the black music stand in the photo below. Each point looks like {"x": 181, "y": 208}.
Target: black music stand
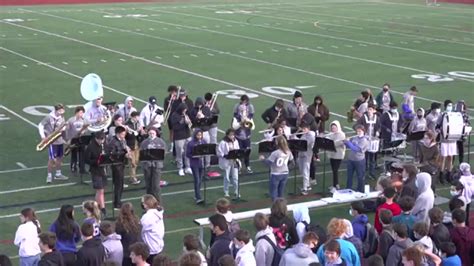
{"x": 206, "y": 121}
{"x": 324, "y": 144}
{"x": 416, "y": 136}
{"x": 201, "y": 151}
{"x": 266, "y": 147}
{"x": 152, "y": 155}
{"x": 297, "y": 145}
{"x": 234, "y": 155}
{"x": 81, "y": 142}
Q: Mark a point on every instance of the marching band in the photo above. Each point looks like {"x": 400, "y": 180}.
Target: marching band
{"x": 378, "y": 125}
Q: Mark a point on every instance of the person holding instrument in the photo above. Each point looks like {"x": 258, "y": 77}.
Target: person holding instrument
{"x": 305, "y": 157}
{"x": 93, "y": 157}
{"x": 152, "y": 169}
{"x": 75, "y": 127}
{"x": 181, "y": 124}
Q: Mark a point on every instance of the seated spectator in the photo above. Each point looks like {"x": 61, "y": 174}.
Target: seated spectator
{"x": 129, "y": 228}
{"x": 336, "y": 230}
{"x": 111, "y": 242}
{"x": 389, "y": 194}
{"x": 425, "y": 200}
{"x": 189, "y": 259}
{"x": 301, "y": 254}
{"x": 153, "y": 227}
{"x": 191, "y": 244}
{"x": 244, "y": 244}
{"x": 406, "y": 204}
{"x": 92, "y": 252}
{"x": 283, "y": 226}
{"x": 264, "y": 250}
{"x": 47, "y": 243}
{"x": 448, "y": 253}
{"x": 360, "y": 220}
{"x": 349, "y": 236}
{"x": 68, "y": 234}
{"x": 221, "y": 245}
{"x": 439, "y": 233}
{"x": 302, "y": 219}
{"x": 387, "y": 237}
{"x": 401, "y": 243}
{"x": 462, "y": 237}
{"x": 420, "y": 232}
{"x": 332, "y": 254}
{"x": 139, "y": 253}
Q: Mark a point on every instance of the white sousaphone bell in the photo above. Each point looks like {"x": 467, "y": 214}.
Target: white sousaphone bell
{"x": 91, "y": 89}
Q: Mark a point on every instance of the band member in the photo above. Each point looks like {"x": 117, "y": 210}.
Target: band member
{"x": 320, "y": 112}
{"x": 335, "y": 158}
{"x": 305, "y": 157}
{"x": 418, "y": 124}
{"x": 151, "y": 115}
{"x": 75, "y": 127}
{"x": 280, "y": 129}
{"x": 432, "y": 117}
{"x": 244, "y": 111}
{"x": 278, "y": 162}
{"x": 228, "y": 143}
{"x": 462, "y": 108}
{"x": 408, "y": 105}
{"x": 197, "y": 164}
{"x": 181, "y": 125}
{"x": 119, "y": 152}
{"x": 152, "y": 169}
{"x": 126, "y": 110}
{"x": 52, "y": 122}
{"x": 384, "y": 98}
{"x": 391, "y": 124}
{"x": 133, "y": 130}
{"x": 201, "y": 111}
{"x": 272, "y": 115}
{"x": 168, "y": 105}
{"x": 361, "y": 105}
{"x": 296, "y": 110}
{"x": 183, "y": 98}
{"x": 96, "y": 112}
{"x": 117, "y": 121}
{"x": 356, "y": 160}
{"x": 214, "y": 111}
{"x": 93, "y": 157}
{"x": 448, "y": 147}
{"x": 370, "y": 120}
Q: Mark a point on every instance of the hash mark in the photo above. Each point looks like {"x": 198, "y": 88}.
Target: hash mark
{"x": 176, "y": 56}
{"x": 334, "y": 46}
{"x": 242, "y": 52}
{"x": 65, "y": 63}
{"x": 123, "y": 60}
{"x": 103, "y": 60}
{"x": 193, "y": 55}
{"x": 24, "y": 65}
{"x": 84, "y": 61}
{"x": 274, "y": 50}
{"x": 258, "y": 51}
{"x": 3, "y": 66}
{"x": 157, "y": 57}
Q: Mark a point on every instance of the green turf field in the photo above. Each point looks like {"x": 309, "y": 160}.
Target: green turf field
{"x": 265, "y": 49}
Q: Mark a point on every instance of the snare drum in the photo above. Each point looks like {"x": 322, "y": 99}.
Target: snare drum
{"x": 374, "y": 145}
{"x": 452, "y": 126}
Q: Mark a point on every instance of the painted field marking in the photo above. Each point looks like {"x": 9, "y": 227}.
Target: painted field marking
{"x": 24, "y": 65}
{"x": 84, "y": 61}
{"x": 65, "y": 63}
{"x": 18, "y": 115}
{"x": 103, "y": 60}
{"x": 3, "y": 66}
{"x": 259, "y": 51}
{"x": 195, "y": 46}
{"x": 22, "y": 165}
{"x": 193, "y": 55}
{"x": 209, "y": 54}
{"x": 176, "y": 56}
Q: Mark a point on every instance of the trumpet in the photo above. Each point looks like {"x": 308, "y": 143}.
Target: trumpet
{"x": 170, "y": 104}
{"x": 51, "y": 138}
{"x": 188, "y": 121}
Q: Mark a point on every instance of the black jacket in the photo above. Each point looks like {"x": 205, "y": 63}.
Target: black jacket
{"x": 53, "y": 258}
{"x": 277, "y": 222}
{"x": 271, "y": 114}
{"x": 128, "y": 238}
{"x": 180, "y": 128}
{"x": 199, "y": 104}
{"x": 92, "y": 253}
{"x": 92, "y": 154}
{"x": 219, "y": 248}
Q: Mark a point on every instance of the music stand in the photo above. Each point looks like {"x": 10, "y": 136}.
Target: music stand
{"x": 81, "y": 142}
{"x": 201, "y": 151}
{"x": 234, "y": 155}
{"x": 152, "y": 155}
{"x": 266, "y": 147}
{"x": 324, "y": 144}
{"x": 297, "y": 145}
{"x": 206, "y": 121}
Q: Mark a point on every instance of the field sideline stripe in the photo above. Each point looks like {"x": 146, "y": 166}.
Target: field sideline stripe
{"x": 19, "y": 116}
{"x": 330, "y": 77}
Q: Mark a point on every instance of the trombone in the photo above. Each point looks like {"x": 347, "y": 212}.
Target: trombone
{"x": 213, "y": 101}
{"x": 170, "y": 104}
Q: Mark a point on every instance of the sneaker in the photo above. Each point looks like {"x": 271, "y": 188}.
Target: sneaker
{"x": 304, "y": 192}
{"x": 61, "y": 177}
{"x": 313, "y": 182}
{"x": 249, "y": 170}
{"x": 49, "y": 179}
{"x": 188, "y": 171}
{"x": 125, "y": 186}
{"x": 171, "y": 148}
{"x": 181, "y": 172}
{"x": 226, "y": 194}
{"x": 199, "y": 201}
{"x": 135, "y": 181}
{"x": 237, "y": 196}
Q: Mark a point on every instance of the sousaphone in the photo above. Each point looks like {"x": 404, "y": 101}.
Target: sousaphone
{"x": 91, "y": 90}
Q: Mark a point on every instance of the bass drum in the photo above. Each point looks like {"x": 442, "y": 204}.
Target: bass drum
{"x": 452, "y": 126}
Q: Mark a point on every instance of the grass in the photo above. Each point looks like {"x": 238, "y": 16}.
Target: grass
{"x": 264, "y": 49}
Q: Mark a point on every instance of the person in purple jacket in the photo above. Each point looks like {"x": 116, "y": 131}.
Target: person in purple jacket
{"x": 196, "y": 164}
{"x": 360, "y": 220}
{"x": 68, "y": 234}
{"x": 356, "y": 159}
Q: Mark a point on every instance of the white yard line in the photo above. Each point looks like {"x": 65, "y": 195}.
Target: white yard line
{"x": 18, "y": 115}
{"x": 320, "y": 35}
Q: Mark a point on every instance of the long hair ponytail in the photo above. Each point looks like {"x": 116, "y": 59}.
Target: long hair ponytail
{"x": 30, "y": 216}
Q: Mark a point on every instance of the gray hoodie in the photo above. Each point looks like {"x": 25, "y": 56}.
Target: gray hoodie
{"x": 113, "y": 248}
{"x": 264, "y": 252}
{"x": 299, "y": 254}
{"x": 338, "y": 139}
{"x": 394, "y": 257}
{"x": 425, "y": 200}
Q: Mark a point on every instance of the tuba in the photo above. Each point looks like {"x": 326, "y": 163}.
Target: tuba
{"x": 91, "y": 89}
{"x": 51, "y": 138}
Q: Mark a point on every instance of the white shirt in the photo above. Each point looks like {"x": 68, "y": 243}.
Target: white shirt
{"x": 27, "y": 239}
{"x": 147, "y": 114}
{"x": 153, "y": 230}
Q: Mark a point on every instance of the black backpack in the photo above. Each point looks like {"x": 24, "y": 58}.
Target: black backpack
{"x": 318, "y": 230}
{"x": 277, "y": 251}
{"x": 371, "y": 241}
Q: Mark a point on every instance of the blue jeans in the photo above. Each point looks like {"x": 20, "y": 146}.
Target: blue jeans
{"x": 30, "y": 261}
{"x": 277, "y": 185}
{"x": 197, "y": 174}
{"x": 359, "y": 168}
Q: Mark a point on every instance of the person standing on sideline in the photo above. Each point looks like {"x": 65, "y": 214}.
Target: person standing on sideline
{"x": 278, "y": 162}
{"x": 129, "y": 228}
{"x": 26, "y": 238}
{"x": 356, "y": 159}
{"x": 93, "y": 157}
{"x": 153, "y": 227}
{"x": 52, "y": 122}
{"x": 92, "y": 252}
{"x": 152, "y": 169}
{"x": 68, "y": 234}
{"x": 47, "y": 243}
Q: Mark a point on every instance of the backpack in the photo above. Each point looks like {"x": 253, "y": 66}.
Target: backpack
{"x": 371, "y": 241}
{"x": 278, "y": 252}
{"x": 281, "y": 236}
{"x": 318, "y": 230}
